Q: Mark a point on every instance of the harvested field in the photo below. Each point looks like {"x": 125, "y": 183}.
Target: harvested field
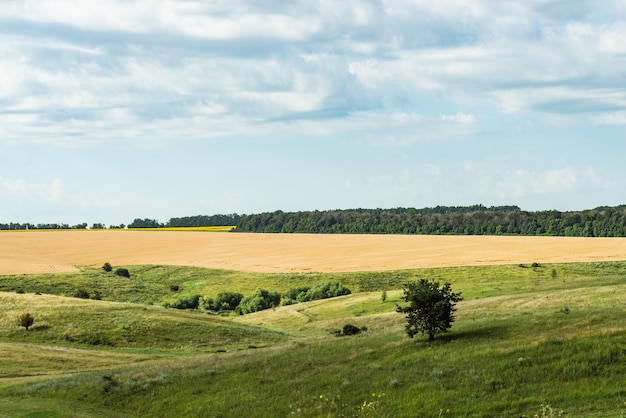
{"x": 61, "y": 251}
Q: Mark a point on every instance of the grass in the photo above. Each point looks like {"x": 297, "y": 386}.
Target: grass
{"x": 151, "y": 284}
{"x": 124, "y": 327}
{"x": 527, "y": 342}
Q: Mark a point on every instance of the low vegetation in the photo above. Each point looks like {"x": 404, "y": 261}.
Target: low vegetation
{"x": 525, "y": 342}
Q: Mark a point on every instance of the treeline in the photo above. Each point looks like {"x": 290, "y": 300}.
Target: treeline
{"x": 26, "y": 226}
{"x": 602, "y": 221}
{"x": 470, "y": 220}
{"x": 187, "y": 221}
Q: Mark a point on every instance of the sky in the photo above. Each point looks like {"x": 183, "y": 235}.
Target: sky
{"x": 115, "y": 110}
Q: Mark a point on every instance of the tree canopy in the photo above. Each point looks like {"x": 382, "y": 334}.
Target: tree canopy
{"x": 450, "y": 220}
{"x": 431, "y": 308}
{"x": 603, "y": 221}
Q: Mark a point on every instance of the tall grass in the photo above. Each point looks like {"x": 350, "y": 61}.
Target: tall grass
{"x": 528, "y": 341}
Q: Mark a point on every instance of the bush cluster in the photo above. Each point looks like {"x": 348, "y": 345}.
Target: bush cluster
{"x": 320, "y": 290}
{"x": 122, "y": 272}
{"x": 347, "y": 330}
{"x": 261, "y": 299}
{"x": 224, "y": 301}
{"x": 190, "y": 302}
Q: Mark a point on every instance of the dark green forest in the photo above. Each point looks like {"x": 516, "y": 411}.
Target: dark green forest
{"x": 441, "y": 220}
{"x": 602, "y": 221}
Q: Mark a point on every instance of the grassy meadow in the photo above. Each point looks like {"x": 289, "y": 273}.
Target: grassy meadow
{"x": 547, "y": 340}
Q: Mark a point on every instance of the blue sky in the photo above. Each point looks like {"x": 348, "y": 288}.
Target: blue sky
{"x": 116, "y": 109}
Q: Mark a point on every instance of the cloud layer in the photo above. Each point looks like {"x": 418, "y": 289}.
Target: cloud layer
{"x": 364, "y": 73}
{"x": 149, "y": 68}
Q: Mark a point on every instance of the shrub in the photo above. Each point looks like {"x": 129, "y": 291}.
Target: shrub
{"x": 81, "y": 293}
{"x": 349, "y": 329}
{"x": 320, "y": 290}
{"x": 190, "y": 302}
{"x": 260, "y": 300}
{"x": 324, "y": 290}
{"x": 294, "y": 295}
{"x": 107, "y": 267}
{"x": 122, "y": 272}
{"x": 25, "y": 320}
{"x": 174, "y": 287}
{"x": 226, "y": 301}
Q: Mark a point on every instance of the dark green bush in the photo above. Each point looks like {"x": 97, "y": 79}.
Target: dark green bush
{"x": 122, "y": 272}
{"x": 81, "y": 293}
{"x": 347, "y": 330}
{"x": 261, "y": 299}
{"x": 324, "y": 290}
{"x": 107, "y": 267}
{"x": 350, "y": 329}
{"x": 225, "y": 301}
{"x": 294, "y": 295}
{"x": 190, "y": 302}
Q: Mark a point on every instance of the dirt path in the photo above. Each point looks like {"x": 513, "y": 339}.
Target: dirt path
{"x": 59, "y": 251}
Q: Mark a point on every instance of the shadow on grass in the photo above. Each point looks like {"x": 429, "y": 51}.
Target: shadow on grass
{"x": 38, "y": 328}
{"x": 479, "y": 333}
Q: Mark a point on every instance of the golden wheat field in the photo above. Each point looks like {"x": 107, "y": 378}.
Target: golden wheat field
{"x": 61, "y": 251}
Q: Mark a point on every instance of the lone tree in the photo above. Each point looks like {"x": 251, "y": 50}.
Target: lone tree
{"x": 431, "y": 308}
{"x": 25, "y": 320}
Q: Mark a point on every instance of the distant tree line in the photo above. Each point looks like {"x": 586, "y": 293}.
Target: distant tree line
{"x": 469, "y": 220}
{"x": 187, "y": 221}
{"x": 24, "y": 226}
{"x": 602, "y": 221}
{"x": 204, "y": 220}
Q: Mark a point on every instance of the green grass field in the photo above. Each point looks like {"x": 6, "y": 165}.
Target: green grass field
{"x": 528, "y": 341}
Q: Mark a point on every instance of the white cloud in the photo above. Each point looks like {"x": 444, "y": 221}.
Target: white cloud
{"x": 22, "y": 192}
{"x": 135, "y": 69}
{"x": 523, "y": 183}
{"x": 459, "y": 117}
{"x": 613, "y": 118}
{"x": 52, "y": 192}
